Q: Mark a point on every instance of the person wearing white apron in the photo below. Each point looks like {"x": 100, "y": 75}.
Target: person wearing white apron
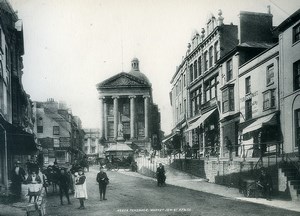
{"x": 34, "y": 186}
{"x": 80, "y": 188}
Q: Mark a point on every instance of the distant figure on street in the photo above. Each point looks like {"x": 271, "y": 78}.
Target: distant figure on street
{"x": 17, "y": 177}
{"x": 103, "y": 181}
{"x": 160, "y": 175}
{"x": 34, "y": 187}
{"x": 80, "y": 188}
{"x": 64, "y": 185}
{"x": 266, "y": 183}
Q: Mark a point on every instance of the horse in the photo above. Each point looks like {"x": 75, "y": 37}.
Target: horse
{"x": 52, "y": 174}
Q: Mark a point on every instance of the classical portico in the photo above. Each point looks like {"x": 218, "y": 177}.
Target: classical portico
{"x": 125, "y": 104}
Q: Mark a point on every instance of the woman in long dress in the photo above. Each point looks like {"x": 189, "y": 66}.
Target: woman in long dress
{"x": 80, "y": 188}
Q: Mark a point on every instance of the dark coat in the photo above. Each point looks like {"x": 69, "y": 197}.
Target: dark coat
{"x": 18, "y": 178}
{"x": 160, "y": 171}
{"x": 102, "y": 178}
{"x": 64, "y": 180}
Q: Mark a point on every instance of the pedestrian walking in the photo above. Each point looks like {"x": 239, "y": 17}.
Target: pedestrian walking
{"x": 34, "y": 186}
{"x": 160, "y": 175}
{"x": 64, "y": 185}
{"x": 17, "y": 178}
{"x": 80, "y": 188}
{"x": 103, "y": 181}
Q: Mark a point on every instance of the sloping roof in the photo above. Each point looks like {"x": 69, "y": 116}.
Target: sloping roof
{"x": 122, "y": 80}
{"x": 119, "y": 147}
{"x": 289, "y": 21}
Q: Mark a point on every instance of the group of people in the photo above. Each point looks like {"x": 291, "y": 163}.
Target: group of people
{"x": 74, "y": 179}
{"x": 18, "y": 177}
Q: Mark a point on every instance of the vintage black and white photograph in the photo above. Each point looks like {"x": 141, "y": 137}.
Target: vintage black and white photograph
{"x": 149, "y": 107}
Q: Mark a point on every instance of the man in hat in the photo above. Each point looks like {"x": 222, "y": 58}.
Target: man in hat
{"x": 17, "y": 177}
{"x": 103, "y": 180}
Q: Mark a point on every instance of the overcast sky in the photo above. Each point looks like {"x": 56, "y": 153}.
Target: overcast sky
{"x": 71, "y": 45}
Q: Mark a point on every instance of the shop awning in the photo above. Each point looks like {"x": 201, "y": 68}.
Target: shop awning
{"x": 259, "y": 123}
{"x": 169, "y": 137}
{"x": 200, "y": 120}
{"x": 119, "y": 147}
{"x": 19, "y": 142}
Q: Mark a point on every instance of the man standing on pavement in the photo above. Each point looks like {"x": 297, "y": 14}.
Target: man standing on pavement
{"x": 160, "y": 175}
{"x": 17, "y": 177}
{"x": 64, "y": 185}
{"x": 103, "y": 180}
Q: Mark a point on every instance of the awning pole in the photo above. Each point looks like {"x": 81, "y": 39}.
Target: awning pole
{"x": 5, "y": 163}
{"x": 5, "y": 160}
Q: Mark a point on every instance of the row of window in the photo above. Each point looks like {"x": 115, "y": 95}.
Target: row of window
{"x": 203, "y": 63}
{"x": 56, "y": 129}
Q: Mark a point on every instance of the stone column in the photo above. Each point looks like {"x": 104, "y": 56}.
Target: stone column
{"x": 101, "y": 99}
{"x": 146, "y": 105}
{"x": 132, "y": 116}
{"x": 105, "y": 119}
{"x": 116, "y": 116}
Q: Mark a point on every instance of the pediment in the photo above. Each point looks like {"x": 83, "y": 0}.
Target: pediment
{"x": 122, "y": 80}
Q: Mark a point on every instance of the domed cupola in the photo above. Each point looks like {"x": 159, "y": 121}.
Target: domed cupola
{"x": 135, "y": 71}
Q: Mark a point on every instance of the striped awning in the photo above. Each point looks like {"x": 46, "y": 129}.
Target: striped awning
{"x": 259, "y": 123}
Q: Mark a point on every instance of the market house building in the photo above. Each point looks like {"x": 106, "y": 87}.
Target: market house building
{"x": 127, "y": 112}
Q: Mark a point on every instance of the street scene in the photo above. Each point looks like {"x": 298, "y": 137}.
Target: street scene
{"x": 133, "y": 194}
{"x": 111, "y": 107}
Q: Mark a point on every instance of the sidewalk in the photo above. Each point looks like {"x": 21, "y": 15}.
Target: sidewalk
{"x": 181, "y": 179}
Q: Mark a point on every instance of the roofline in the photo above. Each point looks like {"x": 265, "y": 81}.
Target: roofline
{"x": 289, "y": 21}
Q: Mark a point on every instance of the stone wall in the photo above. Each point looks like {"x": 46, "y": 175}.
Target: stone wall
{"x": 229, "y": 173}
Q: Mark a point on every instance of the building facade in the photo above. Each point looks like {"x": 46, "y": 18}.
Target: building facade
{"x": 289, "y": 55}
{"x": 58, "y": 131}
{"x": 17, "y": 141}
{"x": 92, "y": 146}
{"x": 127, "y": 112}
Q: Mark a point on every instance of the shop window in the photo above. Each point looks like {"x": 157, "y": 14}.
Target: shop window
{"x": 195, "y": 70}
{"x": 40, "y": 129}
{"x": 228, "y": 99}
{"x": 56, "y": 130}
{"x": 191, "y": 73}
{"x": 229, "y": 74}
{"x": 269, "y": 99}
{"x": 199, "y": 66}
{"x": 248, "y": 85}
{"x": 296, "y": 68}
{"x": 296, "y": 33}
{"x": 210, "y": 56}
{"x": 248, "y": 109}
{"x": 205, "y": 61}
{"x": 270, "y": 74}
{"x": 216, "y": 52}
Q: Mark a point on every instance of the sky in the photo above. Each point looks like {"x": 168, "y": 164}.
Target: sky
{"x": 71, "y": 45}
